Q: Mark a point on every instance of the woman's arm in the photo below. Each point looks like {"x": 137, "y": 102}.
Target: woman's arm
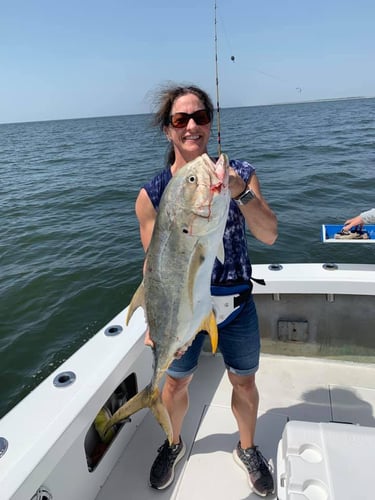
{"x": 146, "y": 215}
{"x": 260, "y": 219}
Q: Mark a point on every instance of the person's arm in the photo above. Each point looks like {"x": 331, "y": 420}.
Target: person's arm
{"x": 146, "y": 215}
{"x": 260, "y": 219}
{"x": 367, "y": 217}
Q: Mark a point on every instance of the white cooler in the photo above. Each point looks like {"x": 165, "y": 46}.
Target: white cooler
{"x": 326, "y": 461}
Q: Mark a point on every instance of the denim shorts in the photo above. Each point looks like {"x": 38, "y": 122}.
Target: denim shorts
{"x": 239, "y": 344}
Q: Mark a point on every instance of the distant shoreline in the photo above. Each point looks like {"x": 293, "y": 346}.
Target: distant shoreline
{"x": 307, "y": 101}
{"x": 223, "y": 107}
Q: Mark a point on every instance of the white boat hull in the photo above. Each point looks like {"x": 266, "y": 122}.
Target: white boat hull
{"x": 48, "y": 439}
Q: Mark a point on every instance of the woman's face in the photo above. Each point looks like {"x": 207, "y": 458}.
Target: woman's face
{"x": 191, "y": 140}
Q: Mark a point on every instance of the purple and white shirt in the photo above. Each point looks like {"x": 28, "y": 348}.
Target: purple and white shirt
{"x": 236, "y": 267}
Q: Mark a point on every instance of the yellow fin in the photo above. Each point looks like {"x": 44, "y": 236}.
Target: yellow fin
{"x": 210, "y": 326}
{"x": 138, "y": 300}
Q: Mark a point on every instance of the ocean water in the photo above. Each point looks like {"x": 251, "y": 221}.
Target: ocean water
{"x": 70, "y": 250}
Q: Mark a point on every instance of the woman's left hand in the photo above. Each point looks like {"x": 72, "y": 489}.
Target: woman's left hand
{"x": 236, "y": 184}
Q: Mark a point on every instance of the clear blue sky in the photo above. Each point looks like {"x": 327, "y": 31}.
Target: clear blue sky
{"x": 80, "y": 58}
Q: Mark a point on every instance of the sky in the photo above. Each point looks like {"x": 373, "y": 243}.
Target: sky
{"x": 86, "y": 58}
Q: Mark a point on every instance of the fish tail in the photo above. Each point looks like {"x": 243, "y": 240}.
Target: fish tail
{"x": 149, "y": 397}
{"x": 100, "y": 423}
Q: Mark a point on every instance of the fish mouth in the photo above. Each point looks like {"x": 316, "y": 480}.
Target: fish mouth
{"x": 216, "y": 188}
{"x": 221, "y": 170}
{"x": 211, "y": 183}
{"x": 218, "y": 182}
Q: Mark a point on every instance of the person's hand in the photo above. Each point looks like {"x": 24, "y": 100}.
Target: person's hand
{"x": 148, "y": 341}
{"x": 356, "y": 221}
{"x": 236, "y": 184}
{"x": 180, "y": 353}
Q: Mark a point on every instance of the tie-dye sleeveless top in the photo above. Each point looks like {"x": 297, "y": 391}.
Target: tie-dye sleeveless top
{"x": 236, "y": 267}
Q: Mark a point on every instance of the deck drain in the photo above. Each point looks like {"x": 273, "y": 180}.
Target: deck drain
{"x": 42, "y": 494}
{"x": 275, "y": 267}
{"x": 330, "y": 266}
{"x": 64, "y": 379}
{"x": 113, "y": 330}
{"x": 3, "y": 446}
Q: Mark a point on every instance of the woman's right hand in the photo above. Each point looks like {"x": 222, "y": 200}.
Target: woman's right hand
{"x": 148, "y": 341}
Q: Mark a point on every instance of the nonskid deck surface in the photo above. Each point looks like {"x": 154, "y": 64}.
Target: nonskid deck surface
{"x": 290, "y": 388}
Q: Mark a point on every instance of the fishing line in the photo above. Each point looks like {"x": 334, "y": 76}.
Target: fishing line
{"x": 299, "y": 88}
{"x": 217, "y": 91}
{"x": 224, "y": 31}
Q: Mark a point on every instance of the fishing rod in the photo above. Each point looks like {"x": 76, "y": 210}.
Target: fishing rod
{"x": 217, "y": 91}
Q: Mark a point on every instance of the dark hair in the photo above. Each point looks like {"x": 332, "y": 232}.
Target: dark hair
{"x": 166, "y": 96}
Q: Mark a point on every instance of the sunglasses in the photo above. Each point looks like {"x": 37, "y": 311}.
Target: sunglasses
{"x": 180, "y": 120}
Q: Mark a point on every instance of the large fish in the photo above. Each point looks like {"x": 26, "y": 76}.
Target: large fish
{"x": 175, "y": 291}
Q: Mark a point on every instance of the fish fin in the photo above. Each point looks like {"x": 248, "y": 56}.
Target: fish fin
{"x": 196, "y": 260}
{"x": 138, "y": 300}
{"x": 221, "y": 253}
{"x": 210, "y": 326}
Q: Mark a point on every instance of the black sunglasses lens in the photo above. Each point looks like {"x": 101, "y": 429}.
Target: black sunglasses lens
{"x": 201, "y": 117}
{"x": 180, "y": 120}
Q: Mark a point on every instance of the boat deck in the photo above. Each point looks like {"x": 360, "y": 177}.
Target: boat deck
{"x": 291, "y": 388}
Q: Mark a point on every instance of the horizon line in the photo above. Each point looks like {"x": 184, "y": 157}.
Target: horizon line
{"x": 223, "y": 107}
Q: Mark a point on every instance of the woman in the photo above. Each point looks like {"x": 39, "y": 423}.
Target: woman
{"x": 184, "y": 115}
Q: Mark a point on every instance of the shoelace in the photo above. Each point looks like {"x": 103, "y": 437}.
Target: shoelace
{"x": 255, "y": 460}
{"x": 166, "y": 455}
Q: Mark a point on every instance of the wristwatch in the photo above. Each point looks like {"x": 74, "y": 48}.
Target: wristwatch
{"x": 245, "y": 197}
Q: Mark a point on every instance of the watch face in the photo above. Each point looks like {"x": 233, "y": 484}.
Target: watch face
{"x": 248, "y": 196}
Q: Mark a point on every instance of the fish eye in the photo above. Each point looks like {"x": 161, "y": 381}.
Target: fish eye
{"x": 192, "y": 179}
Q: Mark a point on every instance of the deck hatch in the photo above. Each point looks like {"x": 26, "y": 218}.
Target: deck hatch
{"x": 293, "y": 331}
{"x": 95, "y": 448}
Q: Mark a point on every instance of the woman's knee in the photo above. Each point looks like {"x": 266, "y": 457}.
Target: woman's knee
{"x": 177, "y": 385}
{"x": 242, "y": 382}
